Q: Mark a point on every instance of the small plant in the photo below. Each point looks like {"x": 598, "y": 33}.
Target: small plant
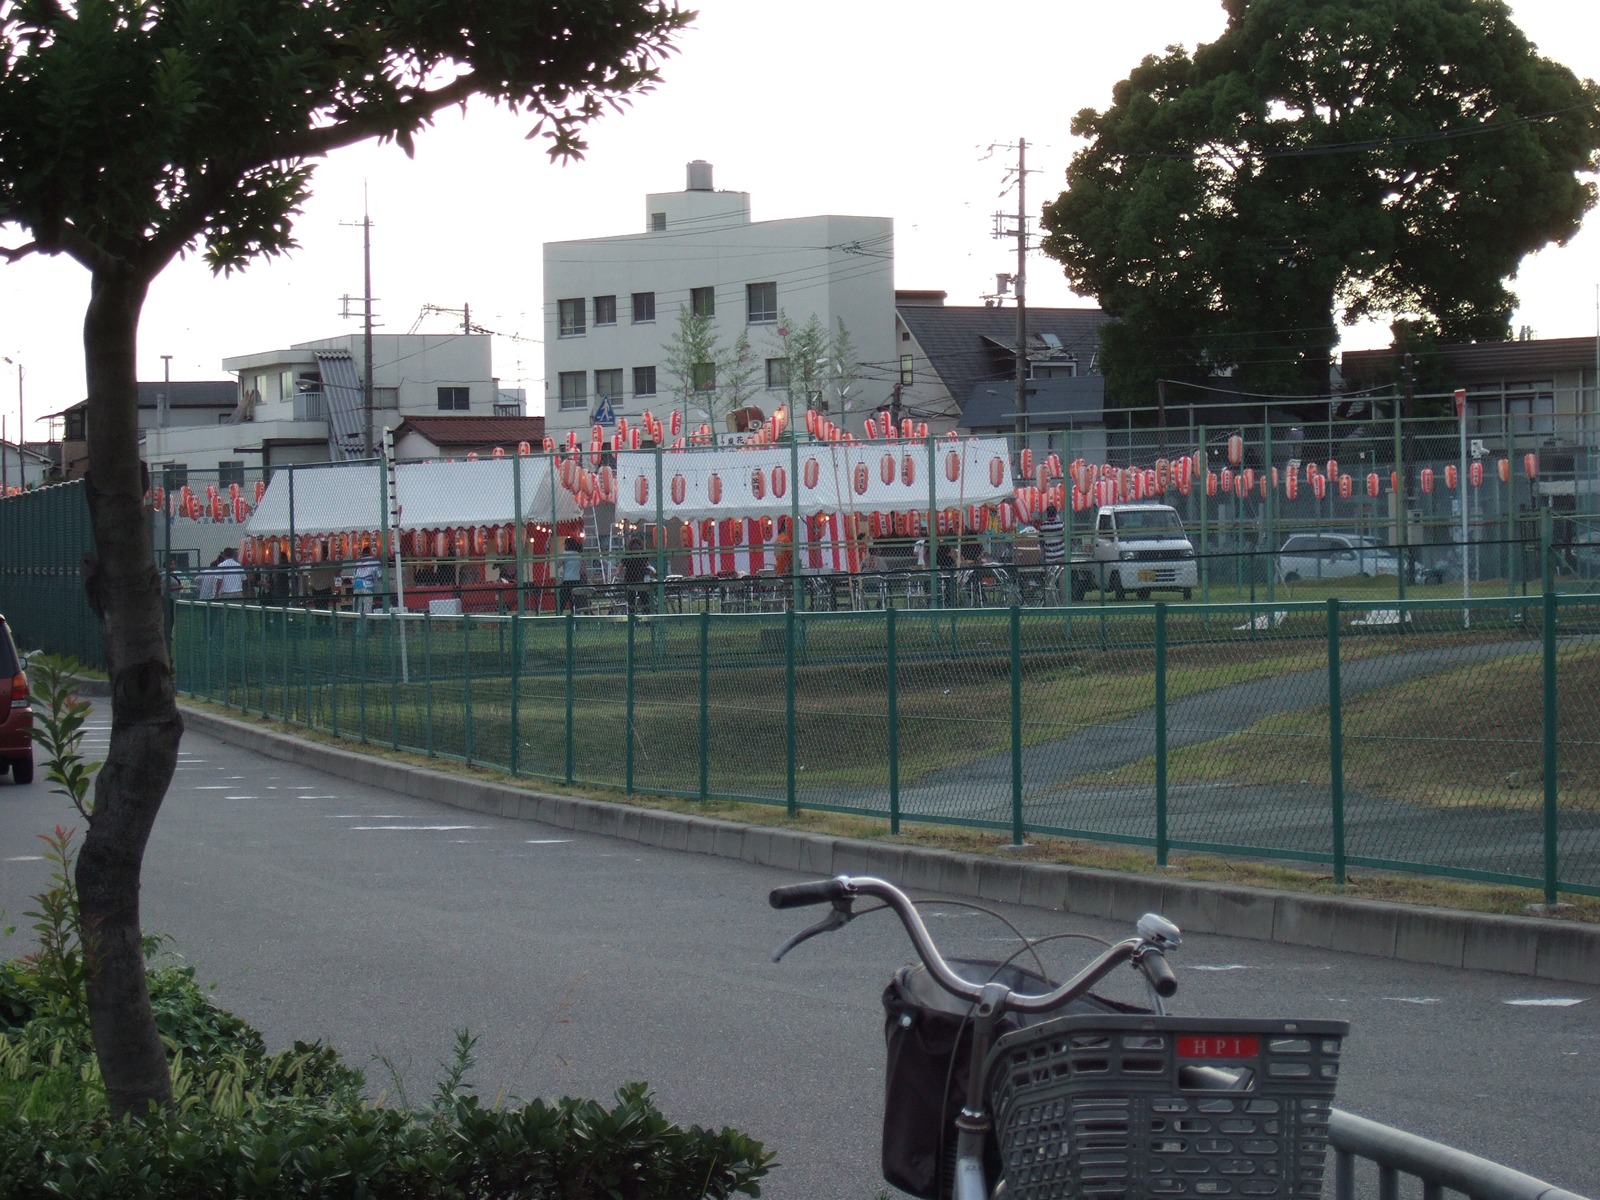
{"x": 58, "y": 717}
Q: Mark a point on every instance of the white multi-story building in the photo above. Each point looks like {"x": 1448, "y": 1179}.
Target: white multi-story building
{"x": 307, "y": 404}
{"x": 612, "y": 308}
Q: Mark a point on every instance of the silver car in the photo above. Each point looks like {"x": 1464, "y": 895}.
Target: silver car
{"x": 1334, "y": 556}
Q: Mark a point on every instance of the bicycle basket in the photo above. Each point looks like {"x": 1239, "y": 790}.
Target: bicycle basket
{"x": 929, "y": 1040}
{"x": 1164, "y": 1106}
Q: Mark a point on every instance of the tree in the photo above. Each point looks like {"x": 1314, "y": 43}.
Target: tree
{"x": 1322, "y": 161}
{"x": 692, "y": 356}
{"x": 132, "y": 131}
{"x": 822, "y": 368}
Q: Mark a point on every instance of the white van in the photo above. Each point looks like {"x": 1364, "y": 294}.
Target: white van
{"x": 1141, "y": 548}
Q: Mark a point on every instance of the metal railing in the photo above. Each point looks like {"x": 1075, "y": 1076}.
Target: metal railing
{"x": 1438, "y": 1168}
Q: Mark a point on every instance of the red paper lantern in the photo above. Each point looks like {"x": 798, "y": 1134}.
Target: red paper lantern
{"x": 1503, "y": 466}
{"x": 241, "y": 510}
{"x": 1530, "y": 465}
{"x": 862, "y": 479}
{"x": 1027, "y": 462}
{"x": 1373, "y": 484}
{"x": 780, "y": 482}
{"x": 641, "y": 490}
{"x": 1347, "y": 487}
{"x": 1319, "y": 486}
{"x": 952, "y": 466}
{"x": 1425, "y": 481}
{"x": 1235, "y": 449}
{"x": 1451, "y": 477}
{"x": 680, "y": 489}
{"x": 887, "y": 468}
{"x": 908, "y": 470}
{"x": 714, "y": 488}
{"x": 997, "y": 471}
{"x": 1291, "y": 486}
{"x": 810, "y": 473}
{"x": 1211, "y": 483}
{"x": 1475, "y": 474}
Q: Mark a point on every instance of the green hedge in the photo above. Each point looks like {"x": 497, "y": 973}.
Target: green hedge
{"x": 249, "y": 1124}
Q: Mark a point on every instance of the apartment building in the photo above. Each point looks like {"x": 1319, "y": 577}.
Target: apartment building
{"x": 612, "y": 309}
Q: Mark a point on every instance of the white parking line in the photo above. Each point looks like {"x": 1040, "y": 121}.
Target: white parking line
{"x": 1546, "y": 1002}
{"x": 549, "y": 841}
{"x": 432, "y": 828}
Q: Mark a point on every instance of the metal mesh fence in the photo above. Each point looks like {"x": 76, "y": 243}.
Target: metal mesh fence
{"x": 1384, "y": 735}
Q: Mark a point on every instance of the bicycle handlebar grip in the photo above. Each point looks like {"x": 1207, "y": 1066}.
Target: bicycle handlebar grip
{"x": 1158, "y": 971}
{"x": 797, "y": 895}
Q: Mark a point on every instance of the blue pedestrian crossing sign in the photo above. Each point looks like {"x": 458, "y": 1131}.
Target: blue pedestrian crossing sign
{"x": 603, "y": 413}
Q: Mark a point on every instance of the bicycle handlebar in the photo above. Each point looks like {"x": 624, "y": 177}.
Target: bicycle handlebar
{"x": 1146, "y": 949}
{"x": 796, "y": 895}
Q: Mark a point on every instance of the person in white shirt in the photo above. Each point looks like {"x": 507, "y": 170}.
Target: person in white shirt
{"x": 365, "y": 580}
{"x": 230, "y": 576}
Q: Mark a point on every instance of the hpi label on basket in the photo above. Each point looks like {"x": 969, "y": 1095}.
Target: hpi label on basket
{"x": 1219, "y": 1046}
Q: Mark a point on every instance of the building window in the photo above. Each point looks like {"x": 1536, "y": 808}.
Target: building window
{"x": 761, "y": 299}
{"x": 286, "y": 385}
{"x": 1055, "y": 370}
{"x": 385, "y": 397}
{"x": 605, "y": 310}
{"x": 572, "y": 317}
{"x": 644, "y": 308}
{"x": 777, "y": 374}
{"x": 77, "y": 427}
{"x": 658, "y": 222}
{"x": 644, "y": 381}
{"x": 905, "y": 370}
{"x": 703, "y": 377}
{"x": 229, "y": 472}
{"x": 703, "y": 301}
{"x": 174, "y": 476}
{"x": 574, "y": 392}
{"x": 454, "y": 399}
{"x": 608, "y": 384}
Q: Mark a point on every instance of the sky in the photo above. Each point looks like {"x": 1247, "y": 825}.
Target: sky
{"x": 909, "y": 109}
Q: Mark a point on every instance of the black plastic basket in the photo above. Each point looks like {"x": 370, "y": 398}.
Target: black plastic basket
{"x": 1147, "y": 1106}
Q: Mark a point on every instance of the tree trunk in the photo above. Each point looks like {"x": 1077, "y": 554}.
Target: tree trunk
{"x": 124, "y": 590}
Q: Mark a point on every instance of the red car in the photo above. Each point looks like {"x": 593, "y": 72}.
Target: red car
{"x": 16, "y": 726}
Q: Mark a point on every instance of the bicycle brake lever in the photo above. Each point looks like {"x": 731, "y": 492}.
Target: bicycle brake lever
{"x": 841, "y": 916}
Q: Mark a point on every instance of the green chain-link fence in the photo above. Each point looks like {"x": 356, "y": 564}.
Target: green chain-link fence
{"x": 1442, "y": 736}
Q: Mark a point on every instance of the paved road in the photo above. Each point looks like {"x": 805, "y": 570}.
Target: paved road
{"x": 322, "y": 908}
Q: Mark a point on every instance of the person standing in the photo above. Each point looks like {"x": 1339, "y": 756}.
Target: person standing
{"x": 569, "y": 573}
{"x": 229, "y": 575}
{"x": 364, "y": 580}
{"x": 636, "y": 572}
{"x": 1051, "y": 544}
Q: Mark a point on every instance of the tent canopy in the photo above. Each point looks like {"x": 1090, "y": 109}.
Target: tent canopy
{"x": 889, "y": 477}
{"x": 433, "y": 494}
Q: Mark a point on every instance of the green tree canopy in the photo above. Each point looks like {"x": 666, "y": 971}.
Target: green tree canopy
{"x": 135, "y": 130}
{"x": 1323, "y": 161}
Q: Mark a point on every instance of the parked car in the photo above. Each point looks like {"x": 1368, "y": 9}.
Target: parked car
{"x": 1138, "y": 548}
{"x": 1334, "y": 556}
{"x": 16, "y": 729}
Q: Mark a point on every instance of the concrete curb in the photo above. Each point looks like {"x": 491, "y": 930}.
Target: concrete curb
{"x": 1535, "y": 946}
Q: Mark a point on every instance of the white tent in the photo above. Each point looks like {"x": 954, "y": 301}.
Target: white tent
{"x": 847, "y": 477}
{"x": 433, "y": 494}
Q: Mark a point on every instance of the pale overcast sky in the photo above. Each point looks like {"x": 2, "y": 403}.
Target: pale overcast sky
{"x": 909, "y": 110}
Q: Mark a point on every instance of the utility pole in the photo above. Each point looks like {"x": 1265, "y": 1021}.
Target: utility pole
{"x": 1019, "y": 288}
{"x": 1022, "y": 290}
{"x": 366, "y": 337}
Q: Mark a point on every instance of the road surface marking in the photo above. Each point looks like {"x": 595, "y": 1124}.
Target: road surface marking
{"x": 435, "y": 828}
{"x": 1547, "y": 1002}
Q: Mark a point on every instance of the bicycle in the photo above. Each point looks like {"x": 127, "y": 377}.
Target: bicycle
{"x": 1064, "y": 1093}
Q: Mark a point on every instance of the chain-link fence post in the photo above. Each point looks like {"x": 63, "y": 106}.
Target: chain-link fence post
{"x": 790, "y": 800}
{"x": 705, "y": 703}
{"x": 1161, "y": 732}
{"x": 892, "y": 702}
{"x": 1551, "y": 781}
{"x": 1016, "y": 724}
{"x": 1335, "y": 741}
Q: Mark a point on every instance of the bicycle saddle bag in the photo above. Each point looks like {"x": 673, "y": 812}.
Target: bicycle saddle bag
{"x": 929, "y": 1041}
